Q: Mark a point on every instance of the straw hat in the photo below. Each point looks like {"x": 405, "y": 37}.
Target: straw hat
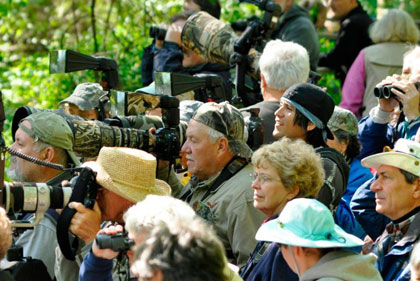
{"x": 128, "y": 172}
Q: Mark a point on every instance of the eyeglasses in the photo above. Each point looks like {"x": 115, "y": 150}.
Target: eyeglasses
{"x": 261, "y": 178}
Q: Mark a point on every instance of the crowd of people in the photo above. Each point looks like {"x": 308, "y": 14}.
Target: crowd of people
{"x": 332, "y": 194}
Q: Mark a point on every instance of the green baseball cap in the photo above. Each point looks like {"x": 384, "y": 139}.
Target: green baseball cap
{"x": 228, "y": 120}
{"x": 306, "y": 223}
{"x": 52, "y": 129}
{"x": 86, "y": 96}
{"x": 343, "y": 119}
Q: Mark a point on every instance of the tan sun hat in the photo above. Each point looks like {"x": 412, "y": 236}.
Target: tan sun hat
{"x": 128, "y": 172}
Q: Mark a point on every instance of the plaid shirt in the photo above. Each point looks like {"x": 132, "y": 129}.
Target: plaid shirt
{"x": 394, "y": 246}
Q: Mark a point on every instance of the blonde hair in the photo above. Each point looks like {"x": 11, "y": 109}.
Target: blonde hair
{"x": 5, "y": 233}
{"x": 296, "y": 163}
{"x": 395, "y": 26}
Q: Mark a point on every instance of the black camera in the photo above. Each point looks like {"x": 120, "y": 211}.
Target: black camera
{"x": 255, "y": 127}
{"x": 386, "y": 93}
{"x": 157, "y": 32}
{"x": 118, "y": 242}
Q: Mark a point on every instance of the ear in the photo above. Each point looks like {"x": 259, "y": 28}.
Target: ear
{"x": 222, "y": 145}
{"x": 293, "y": 193}
{"x": 416, "y": 191}
{"x": 48, "y": 154}
{"x": 310, "y": 126}
{"x": 299, "y": 252}
{"x": 263, "y": 82}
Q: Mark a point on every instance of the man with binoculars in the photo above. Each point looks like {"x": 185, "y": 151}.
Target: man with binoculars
{"x": 376, "y": 130}
{"x": 379, "y": 130}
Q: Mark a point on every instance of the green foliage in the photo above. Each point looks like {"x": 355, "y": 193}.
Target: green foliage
{"x": 30, "y": 29}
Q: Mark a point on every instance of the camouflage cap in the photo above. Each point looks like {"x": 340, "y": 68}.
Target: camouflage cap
{"x": 52, "y": 129}
{"x": 343, "y": 119}
{"x": 187, "y": 109}
{"x": 227, "y": 120}
{"x": 86, "y": 96}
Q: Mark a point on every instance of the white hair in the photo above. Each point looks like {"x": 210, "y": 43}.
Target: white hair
{"x": 395, "y": 26}
{"x": 284, "y": 64}
{"x": 145, "y": 215}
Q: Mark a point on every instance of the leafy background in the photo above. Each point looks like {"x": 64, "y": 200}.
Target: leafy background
{"x": 30, "y": 29}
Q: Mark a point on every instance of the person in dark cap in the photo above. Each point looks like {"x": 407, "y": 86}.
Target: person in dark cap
{"x": 220, "y": 187}
{"x": 303, "y": 114}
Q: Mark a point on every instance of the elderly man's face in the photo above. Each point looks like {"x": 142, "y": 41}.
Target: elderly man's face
{"x": 19, "y": 169}
{"x": 199, "y": 151}
{"x": 411, "y": 68}
{"x": 394, "y": 196}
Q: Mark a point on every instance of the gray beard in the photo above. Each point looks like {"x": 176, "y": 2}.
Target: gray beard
{"x": 14, "y": 173}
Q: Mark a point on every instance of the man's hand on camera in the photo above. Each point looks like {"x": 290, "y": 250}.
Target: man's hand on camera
{"x": 106, "y": 253}
{"x": 86, "y": 222}
{"x": 409, "y": 97}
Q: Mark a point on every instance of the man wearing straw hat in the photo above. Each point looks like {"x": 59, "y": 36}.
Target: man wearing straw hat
{"x": 314, "y": 246}
{"x": 397, "y": 196}
{"x": 220, "y": 187}
{"x": 125, "y": 176}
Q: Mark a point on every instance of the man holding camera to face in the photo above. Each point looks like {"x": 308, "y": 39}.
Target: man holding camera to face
{"x": 118, "y": 190}
{"x": 45, "y": 136}
{"x": 378, "y": 130}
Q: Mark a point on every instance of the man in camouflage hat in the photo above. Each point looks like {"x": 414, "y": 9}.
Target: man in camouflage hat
{"x": 220, "y": 187}
{"x": 176, "y": 57}
{"x": 48, "y": 137}
{"x": 88, "y": 101}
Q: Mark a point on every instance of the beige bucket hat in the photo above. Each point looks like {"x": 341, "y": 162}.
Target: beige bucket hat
{"x": 128, "y": 172}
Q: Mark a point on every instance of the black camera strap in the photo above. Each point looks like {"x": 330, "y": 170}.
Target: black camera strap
{"x": 84, "y": 191}
{"x": 231, "y": 169}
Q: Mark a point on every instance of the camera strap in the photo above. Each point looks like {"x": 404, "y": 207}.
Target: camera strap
{"x": 84, "y": 191}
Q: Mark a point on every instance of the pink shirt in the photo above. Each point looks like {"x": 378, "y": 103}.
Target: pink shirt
{"x": 354, "y": 85}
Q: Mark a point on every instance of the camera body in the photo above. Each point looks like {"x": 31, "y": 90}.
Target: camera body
{"x": 118, "y": 242}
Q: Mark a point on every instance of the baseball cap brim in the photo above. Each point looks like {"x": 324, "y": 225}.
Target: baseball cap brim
{"x": 400, "y": 160}
{"x": 240, "y": 148}
{"x": 73, "y": 157}
{"x": 273, "y": 232}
